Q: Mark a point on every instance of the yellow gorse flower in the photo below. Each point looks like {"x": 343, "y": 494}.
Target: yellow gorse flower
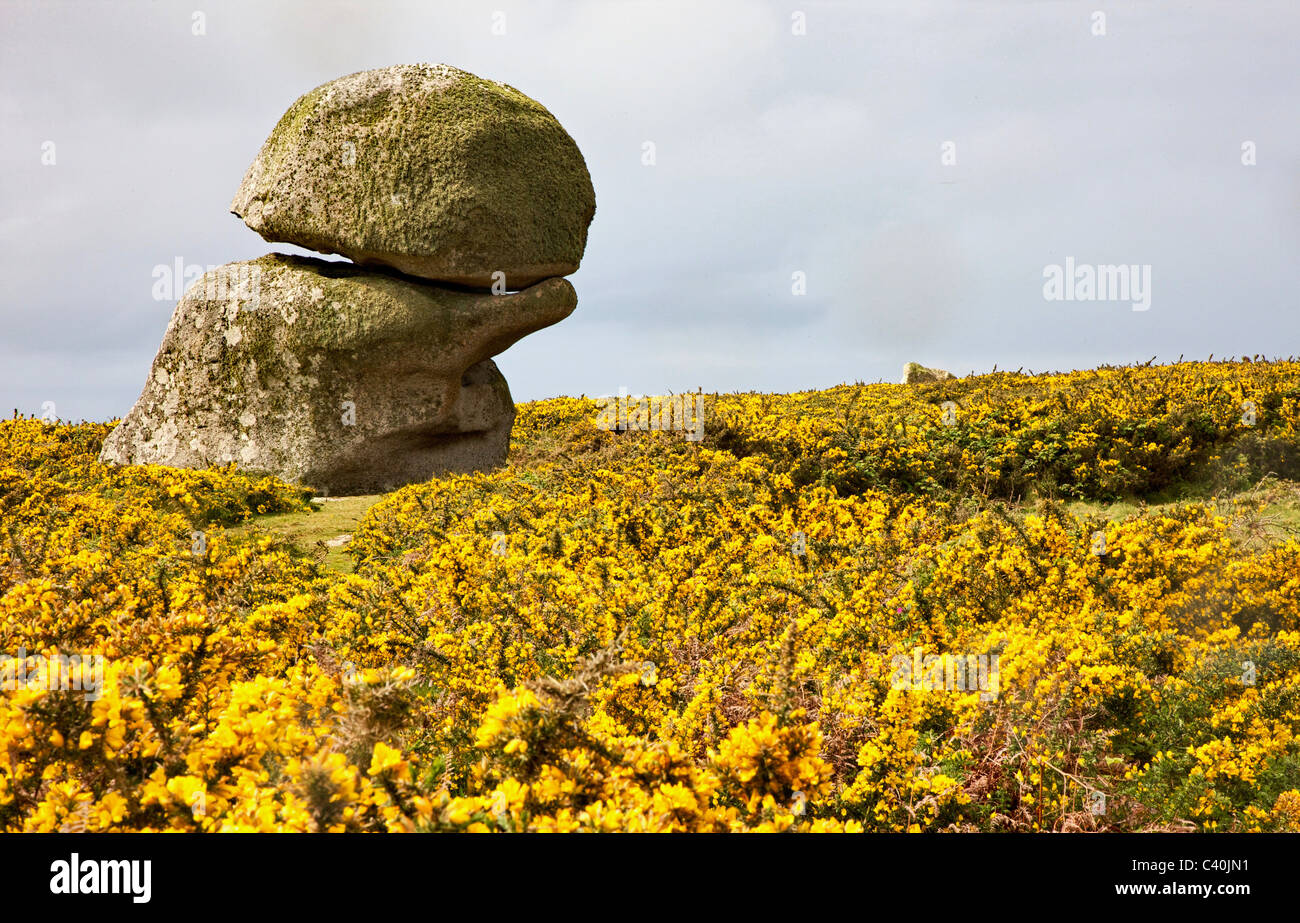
{"x": 721, "y": 636}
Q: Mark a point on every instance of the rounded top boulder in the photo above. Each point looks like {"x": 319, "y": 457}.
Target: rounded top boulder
{"x": 426, "y": 169}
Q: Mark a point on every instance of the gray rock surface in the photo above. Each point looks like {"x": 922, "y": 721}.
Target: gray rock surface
{"x": 426, "y": 169}
{"x": 346, "y": 380}
{"x": 914, "y": 374}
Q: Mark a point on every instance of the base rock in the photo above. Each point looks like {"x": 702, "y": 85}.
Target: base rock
{"x": 335, "y": 377}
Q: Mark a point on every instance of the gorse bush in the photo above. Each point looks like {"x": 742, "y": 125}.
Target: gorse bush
{"x": 1097, "y": 434}
{"x": 64, "y": 458}
{"x": 838, "y": 612}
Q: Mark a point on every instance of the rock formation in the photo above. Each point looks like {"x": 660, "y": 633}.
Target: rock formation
{"x": 355, "y": 377}
{"x": 915, "y": 374}
{"x": 429, "y": 170}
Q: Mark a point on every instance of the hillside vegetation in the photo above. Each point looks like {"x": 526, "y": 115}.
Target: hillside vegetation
{"x": 1007, "y": 602}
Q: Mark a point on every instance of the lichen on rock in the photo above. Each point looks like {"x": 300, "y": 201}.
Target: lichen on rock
{"x": 427, "y": 169}
{"x": 378, "y": 381}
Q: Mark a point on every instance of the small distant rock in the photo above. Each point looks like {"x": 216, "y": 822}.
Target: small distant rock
{"x": 916, "y": 374}
{"x": 339, "y": 541}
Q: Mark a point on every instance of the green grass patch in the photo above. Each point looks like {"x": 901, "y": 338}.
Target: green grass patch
{"x": 311, "y": 531}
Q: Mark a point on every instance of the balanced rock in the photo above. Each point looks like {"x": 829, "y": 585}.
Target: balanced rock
{"x": 426, "y": 169}
{"x": 332, "y": 376}
{"x": 915, "y": 374}
{"x": 358, "y": 377}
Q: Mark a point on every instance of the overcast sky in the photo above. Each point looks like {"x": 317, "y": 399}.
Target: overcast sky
{"x": 775, "y": 153}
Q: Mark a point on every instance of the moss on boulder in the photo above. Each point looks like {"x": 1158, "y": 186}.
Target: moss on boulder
{"x": 426, "y": 169}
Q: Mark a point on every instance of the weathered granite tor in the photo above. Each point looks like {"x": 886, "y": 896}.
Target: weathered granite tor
{"x": 357, "y": 377}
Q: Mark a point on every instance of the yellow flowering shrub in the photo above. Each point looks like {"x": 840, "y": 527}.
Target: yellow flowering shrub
{"x": 865, "y": 608}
